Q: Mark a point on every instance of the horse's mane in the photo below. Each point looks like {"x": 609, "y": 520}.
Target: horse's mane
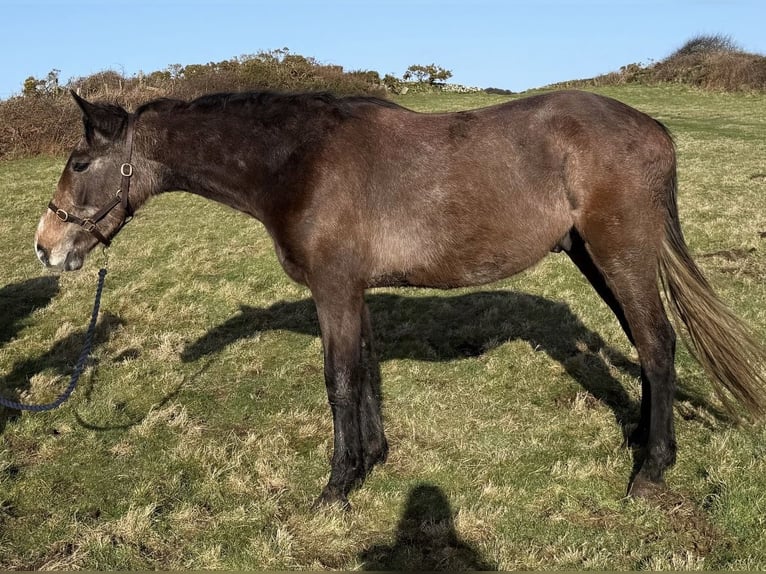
{"x": 242, "y": 101}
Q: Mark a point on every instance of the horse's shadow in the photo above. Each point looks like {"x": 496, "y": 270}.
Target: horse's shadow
{"x": 59, "y": 359}
{"x": 444, "y": 328}
{"x": 17, "y": 302}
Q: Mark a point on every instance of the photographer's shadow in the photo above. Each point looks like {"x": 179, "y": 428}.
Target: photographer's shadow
{"x": 425, "y": 539}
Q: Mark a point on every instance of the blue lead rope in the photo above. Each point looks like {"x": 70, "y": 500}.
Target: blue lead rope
{"x": 78, "y": 368}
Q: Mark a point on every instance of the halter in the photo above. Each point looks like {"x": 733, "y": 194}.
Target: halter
{"x": 121, "y": 198}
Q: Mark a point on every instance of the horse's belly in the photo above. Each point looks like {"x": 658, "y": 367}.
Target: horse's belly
{"x": 463, "y": 266}
{"x": 477, "y": 271}
{"x": 467, "y": 243}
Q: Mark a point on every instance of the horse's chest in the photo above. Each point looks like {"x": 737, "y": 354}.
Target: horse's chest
{"x": 289, "y": 263}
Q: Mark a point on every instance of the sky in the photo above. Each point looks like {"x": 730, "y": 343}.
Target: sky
{"x": 509, "y": 44}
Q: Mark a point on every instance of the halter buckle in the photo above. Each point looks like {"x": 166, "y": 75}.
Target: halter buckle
{"x": 88, "y": 225}
{"x": 62, "y": 215}
{"x": 126, "y": 169}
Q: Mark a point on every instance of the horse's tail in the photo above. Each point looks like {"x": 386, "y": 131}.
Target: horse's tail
{"x": 725, "y": 347}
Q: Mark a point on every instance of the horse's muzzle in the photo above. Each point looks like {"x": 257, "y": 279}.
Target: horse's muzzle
{"x": 71, "y": 262}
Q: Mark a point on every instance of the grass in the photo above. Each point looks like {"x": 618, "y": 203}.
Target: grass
{"x": 200, "y": 433}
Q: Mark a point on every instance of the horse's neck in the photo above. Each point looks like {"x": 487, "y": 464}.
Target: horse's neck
{"x": 224, "y": 161}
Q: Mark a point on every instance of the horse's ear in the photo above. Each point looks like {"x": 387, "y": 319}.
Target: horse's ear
{"x": 103, "y": 123}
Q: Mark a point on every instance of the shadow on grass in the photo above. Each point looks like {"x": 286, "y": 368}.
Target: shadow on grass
{"x": 425, "y": 539}
{"x": 19, "y": 300}
{"x": 60, "y": 358}
{"x": 435, "y": 328}
{"x": 133, "y": 416}
{"x": 446, "y": 328}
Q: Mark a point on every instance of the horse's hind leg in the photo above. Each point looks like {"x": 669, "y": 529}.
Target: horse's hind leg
{"x": 580, "y": 256}
{"x": 628, "y": 265}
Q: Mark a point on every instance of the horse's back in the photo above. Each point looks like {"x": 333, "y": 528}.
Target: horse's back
{"x": 471, "y": 197}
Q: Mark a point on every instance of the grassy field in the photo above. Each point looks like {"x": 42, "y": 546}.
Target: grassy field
{"x": 200, "y": 433}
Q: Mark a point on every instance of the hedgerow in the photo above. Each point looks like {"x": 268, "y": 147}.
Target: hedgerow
{"x": 43, "y": 119}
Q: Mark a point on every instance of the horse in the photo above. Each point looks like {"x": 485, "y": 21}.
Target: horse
{"x": 358, "y": 192}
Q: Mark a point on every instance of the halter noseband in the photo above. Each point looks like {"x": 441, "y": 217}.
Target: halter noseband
{"x": 121, "y": 198}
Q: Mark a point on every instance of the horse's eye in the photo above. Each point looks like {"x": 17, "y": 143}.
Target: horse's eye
{"x": 80, "y": 166}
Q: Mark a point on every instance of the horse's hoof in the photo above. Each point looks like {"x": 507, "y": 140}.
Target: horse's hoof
{"x": 646, "y": 489}
{"x": 330, "y": 498}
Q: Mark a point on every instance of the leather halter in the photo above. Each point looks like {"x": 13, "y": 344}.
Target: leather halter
{"x": 90, "y": 224}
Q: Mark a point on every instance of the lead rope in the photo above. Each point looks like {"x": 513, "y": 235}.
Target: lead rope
{"x": 79, "y": 366}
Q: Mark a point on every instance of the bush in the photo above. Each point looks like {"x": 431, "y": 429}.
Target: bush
{"x": 42, "y": 87}
{"x": 43, "y": 124}
{"x": 499, "y": 91}
{"x": 706, "y": 44}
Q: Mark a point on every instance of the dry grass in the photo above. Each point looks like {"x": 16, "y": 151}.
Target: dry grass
{"x": 200, "y": 434}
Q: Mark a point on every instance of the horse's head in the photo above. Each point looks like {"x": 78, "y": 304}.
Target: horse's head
{"x": 94, "y": 196}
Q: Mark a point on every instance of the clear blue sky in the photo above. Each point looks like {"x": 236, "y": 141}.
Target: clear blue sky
{"x": 506, "y": 44}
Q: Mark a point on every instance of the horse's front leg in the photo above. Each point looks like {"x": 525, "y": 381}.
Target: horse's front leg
{"x": 374, "y": 445}
{"x": 340, "y": 320}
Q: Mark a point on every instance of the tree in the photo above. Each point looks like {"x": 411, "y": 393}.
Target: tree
{"x": 430, "y": 74}
{"x": 45, "y": 86}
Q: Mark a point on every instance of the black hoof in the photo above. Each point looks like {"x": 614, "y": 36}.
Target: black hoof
{"x": 646, "y": 489}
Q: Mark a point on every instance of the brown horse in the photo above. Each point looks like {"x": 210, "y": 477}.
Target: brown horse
{"x": 359, "y": 192}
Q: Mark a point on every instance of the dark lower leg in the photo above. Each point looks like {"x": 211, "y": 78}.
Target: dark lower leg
{"x": 341, "y": 339}
{"x": 374, "y": 444}
{"x": 640, "y": 434}
{"x": 347, "y": 459}
{"x": 660, "y": 443}
{"x": 621, "y": 264}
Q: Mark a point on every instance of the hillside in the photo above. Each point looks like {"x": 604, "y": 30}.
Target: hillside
{"x": 711, "y": 62}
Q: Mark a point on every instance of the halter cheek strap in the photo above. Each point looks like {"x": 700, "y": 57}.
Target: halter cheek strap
{"x": 90, "y": 224}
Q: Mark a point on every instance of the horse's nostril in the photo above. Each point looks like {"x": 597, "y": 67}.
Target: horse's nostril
{"x": 42, "y": 255}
